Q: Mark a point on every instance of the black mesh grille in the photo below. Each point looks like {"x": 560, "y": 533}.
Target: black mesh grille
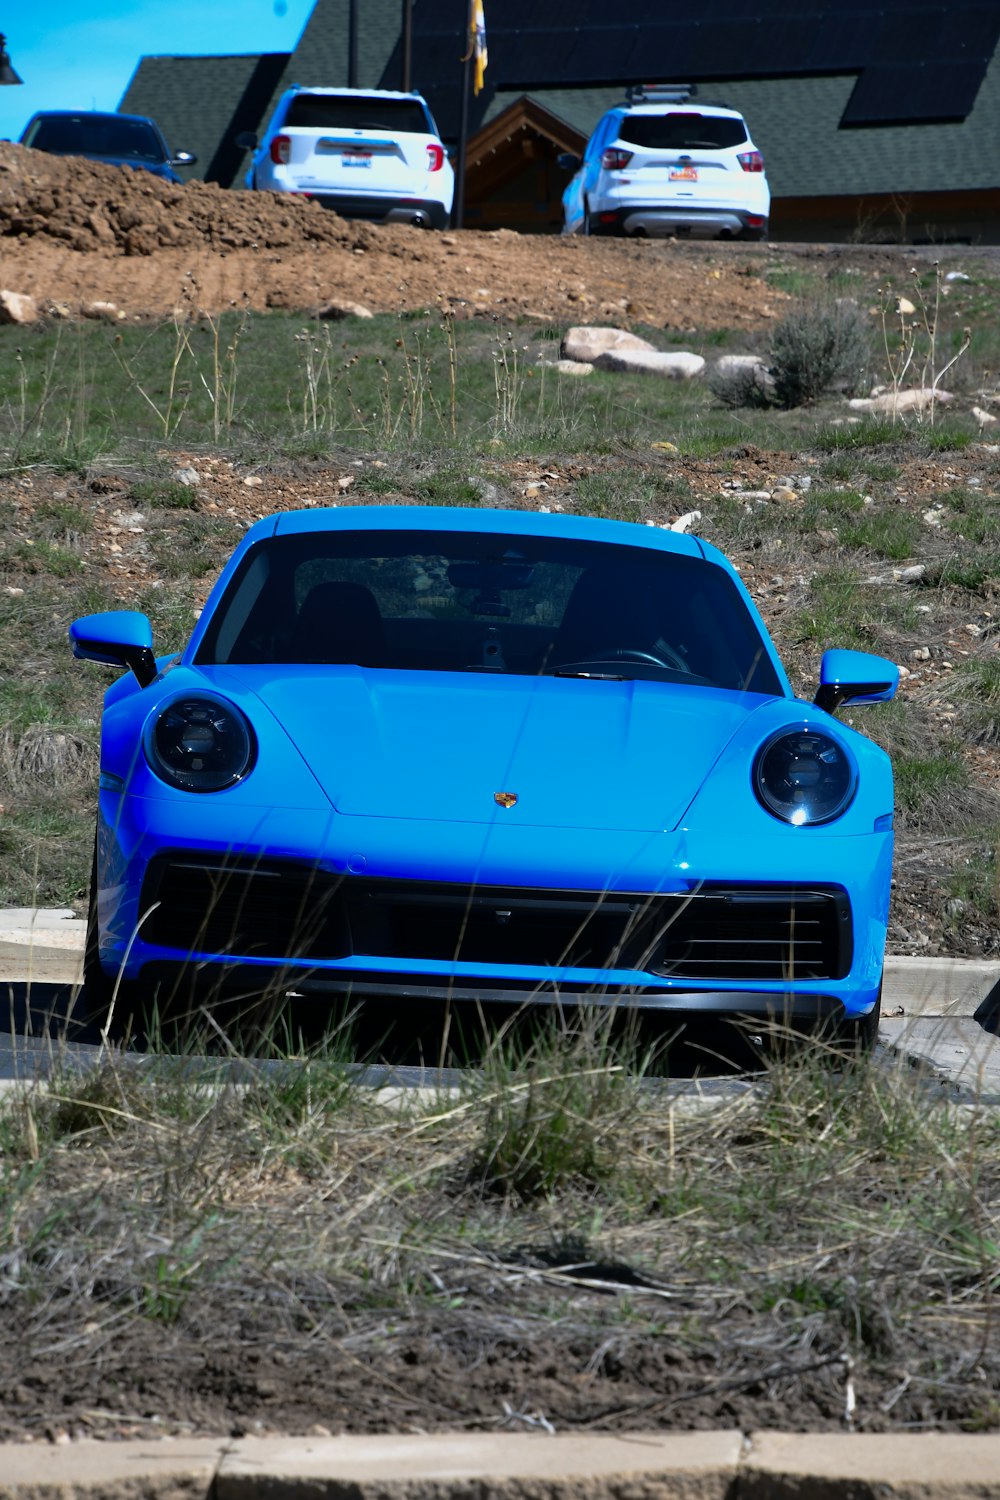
{"x": 294, "y": 912}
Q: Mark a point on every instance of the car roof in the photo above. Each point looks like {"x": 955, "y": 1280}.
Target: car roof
{"x": 87, "y": 114}
{"x": 504, "y": 522}
{"x": 648, "y": 107}
{"x": 308, "y": 88}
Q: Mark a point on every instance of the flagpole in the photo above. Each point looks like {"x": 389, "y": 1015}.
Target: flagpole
{"x": 458, "y": 214}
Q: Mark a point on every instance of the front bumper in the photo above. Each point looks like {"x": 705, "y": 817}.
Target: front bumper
{"x": 543, "y": 918}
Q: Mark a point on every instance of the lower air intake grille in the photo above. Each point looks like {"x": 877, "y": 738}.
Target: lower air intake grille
{"x": 290, "y": 911}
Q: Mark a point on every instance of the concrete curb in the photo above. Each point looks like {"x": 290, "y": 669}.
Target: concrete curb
{"x": 719, "y": 1465}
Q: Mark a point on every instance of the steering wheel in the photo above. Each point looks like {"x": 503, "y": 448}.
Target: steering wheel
{"x": 666, "y": 657}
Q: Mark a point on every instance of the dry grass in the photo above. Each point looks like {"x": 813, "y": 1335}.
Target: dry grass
{"x": 662, "y": 1266}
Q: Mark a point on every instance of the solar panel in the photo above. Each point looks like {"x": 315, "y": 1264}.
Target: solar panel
{"x": 913, "y": 92}
{"x": 916, "y": 59}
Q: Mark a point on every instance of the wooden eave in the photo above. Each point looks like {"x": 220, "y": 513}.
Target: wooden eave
{"x": 523, "y": 114}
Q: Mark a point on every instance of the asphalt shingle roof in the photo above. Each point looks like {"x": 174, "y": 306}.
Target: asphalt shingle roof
{"x": 803, "y": 72}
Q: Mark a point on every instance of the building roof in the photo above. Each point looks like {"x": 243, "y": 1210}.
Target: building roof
{"x": 861, "y": 96}
{"x": 202, "y": 103}
{"x": 912, "y": 60}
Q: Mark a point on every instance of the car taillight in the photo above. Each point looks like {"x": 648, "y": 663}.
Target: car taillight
{"x": 614, "y": 159}
{"x": 281, "y": 150}
{"x": 435, "y": 158}
{"x": 751, "y": 161}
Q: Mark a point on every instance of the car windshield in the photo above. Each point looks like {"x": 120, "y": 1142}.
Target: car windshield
{"x": 96, "y": 135}
{"x": 359, "y": 112}
{"x": 680, "y": 131}
{"x": 486, "y": 602}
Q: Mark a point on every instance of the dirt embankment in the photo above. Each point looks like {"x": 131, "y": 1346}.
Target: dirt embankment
{"x": 73, "y": 232}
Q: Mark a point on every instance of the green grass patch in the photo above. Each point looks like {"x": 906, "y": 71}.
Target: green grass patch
{"x": 874, "y": 432}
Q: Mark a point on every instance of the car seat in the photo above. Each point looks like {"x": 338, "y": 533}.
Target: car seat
{"x": 339, "y": 622}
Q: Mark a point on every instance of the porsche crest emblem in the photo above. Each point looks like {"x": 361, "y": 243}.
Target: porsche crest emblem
{"x": 505, "y": 799}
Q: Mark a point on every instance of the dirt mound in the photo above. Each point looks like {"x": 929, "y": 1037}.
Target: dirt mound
{"x": 90, "y": 206}
{"x": 74, "y": 232}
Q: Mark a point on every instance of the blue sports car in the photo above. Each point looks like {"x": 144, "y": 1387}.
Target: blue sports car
{"x": 486, "y": 756}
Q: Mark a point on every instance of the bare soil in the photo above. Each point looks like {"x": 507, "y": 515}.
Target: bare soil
{"x": 75, "y": 233}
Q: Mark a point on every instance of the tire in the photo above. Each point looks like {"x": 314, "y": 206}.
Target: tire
{"x": 858, "y": 1037}
{"x": 105, "y": 1005}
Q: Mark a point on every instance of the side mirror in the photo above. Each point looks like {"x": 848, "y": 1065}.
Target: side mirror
{"x": 855, "y": 677}
{"x": 118, "y": 638}
{"x": 246, "y": 140}
{"x": 183, "y": 159}
{"x": 567, "y": 161}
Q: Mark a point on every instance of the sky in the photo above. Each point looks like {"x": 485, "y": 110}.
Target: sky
{"x": 81, "y": 54}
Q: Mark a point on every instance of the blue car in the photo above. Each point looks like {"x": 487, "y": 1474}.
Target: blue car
{"x": 119, "y": 140}
{"x": 489, "y": 757}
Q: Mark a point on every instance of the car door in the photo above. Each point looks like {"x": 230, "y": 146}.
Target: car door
{"x": 581, "y": 185}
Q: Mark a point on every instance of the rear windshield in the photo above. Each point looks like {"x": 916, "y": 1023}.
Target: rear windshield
{"x": 453, "y": 601}
{"x": 95, "y": 135}
{"x": 361, "y": 112}
{"x": 678, "y": 131}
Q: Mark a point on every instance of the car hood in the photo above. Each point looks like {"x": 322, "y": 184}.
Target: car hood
{"x": 441, "y": 747}
{"x": 159, "y": 169}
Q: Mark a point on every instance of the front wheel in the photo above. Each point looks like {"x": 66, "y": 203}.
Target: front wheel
{"x": 106, "y": 1004}
{"x": 858, "y": 1035}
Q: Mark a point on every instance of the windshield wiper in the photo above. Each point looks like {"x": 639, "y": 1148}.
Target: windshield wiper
{"x": 594, "y": 676}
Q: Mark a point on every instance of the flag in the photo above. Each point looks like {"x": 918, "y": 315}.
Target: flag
{"x": 477, "y": 38}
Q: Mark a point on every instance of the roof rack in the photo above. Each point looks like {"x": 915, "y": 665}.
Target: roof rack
{"x": 660, "y": 93}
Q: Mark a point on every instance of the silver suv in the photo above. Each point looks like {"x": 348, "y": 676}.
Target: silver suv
{"x": 368, "y": 153}
{"x": 661, "y": 164}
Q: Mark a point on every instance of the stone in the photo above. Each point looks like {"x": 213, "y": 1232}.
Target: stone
{"x": 918, "y": 399}
{"x": 17, "y": 307}
{"x": 640, "y": 362}
{"x": 334, "y": 311}
{"x": 586, "y": 342}
{"x": 188, "y": 476}
{"x": 567, "y": 366}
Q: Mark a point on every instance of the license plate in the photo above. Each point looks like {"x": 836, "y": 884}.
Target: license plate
{"x": 357, "y": 158}
{"x": 683, "y": 174}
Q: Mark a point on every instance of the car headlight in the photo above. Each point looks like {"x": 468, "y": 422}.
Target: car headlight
{"x": 804, "y": 777}
{"x": 200, "y": 743}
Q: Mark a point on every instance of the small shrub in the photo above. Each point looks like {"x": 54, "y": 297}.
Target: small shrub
{"x": 555, "y": 1116}
{"x": 168, "y": 493}
{"x": 817, "y": 347}
{"x": 891, "y": 534}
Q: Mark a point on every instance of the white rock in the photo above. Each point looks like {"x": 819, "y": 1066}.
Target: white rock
{"x": 731, "y": 366}
{"x": 109, "y": 310}
{"x": 567, "y": 366}
{"x": 957, "y": 276}
{"x": 586, "y": 342}
{"x": 17, "y": 307}
{"x": 912, "y": 574}
{"x": 918, "y": 399}
{"x": 189, "y": 477}
{"x": 336, "y": 310}
{"x": 685, "y": 522}
{"x": 639, "y": 362}
{"x": 984, "y": 418}
{"x": 252, "y": 480}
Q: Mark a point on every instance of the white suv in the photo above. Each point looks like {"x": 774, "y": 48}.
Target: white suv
{"x": 367, "y": 153}
{"x": 660, "y": 165}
